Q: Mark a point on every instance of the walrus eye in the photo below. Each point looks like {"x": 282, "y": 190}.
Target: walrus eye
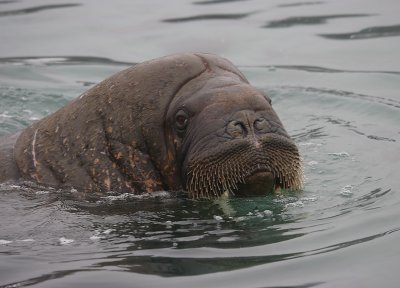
{"x": 181, "y": 119}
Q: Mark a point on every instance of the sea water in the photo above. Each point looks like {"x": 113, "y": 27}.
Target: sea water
{"x": 332, "y": 70}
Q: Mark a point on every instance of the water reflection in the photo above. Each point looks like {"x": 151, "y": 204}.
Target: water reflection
{"x": 7, "y": 1}
{"x": 347, "y": 94}
{"x": 59, "y": 60}
{"x": 171, "y": 236}
{"x": 367, "y": 33}
{"x": 309, "y": 20}
{"x": 208, "y": 17}
{"x": 36, "y": 9}
{"x": 171, "y": 266}
{"x": 41, "y": 278}
{"x": 317, "y": 69}
{"x": 208, "y": 2}
{"x": 139, "y": 228}
{"x": 301, "y": 4}
{"x": 184, "y": 223}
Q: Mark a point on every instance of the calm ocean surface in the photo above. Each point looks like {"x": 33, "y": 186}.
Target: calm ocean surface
{"x": 332, "y": 69}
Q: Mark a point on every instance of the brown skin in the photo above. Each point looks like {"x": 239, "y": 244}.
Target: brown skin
{"x": 145, "y": 128}
{"x": 231, "y": 121}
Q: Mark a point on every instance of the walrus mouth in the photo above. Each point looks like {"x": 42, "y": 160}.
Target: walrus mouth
{"x": 259, "y": 182}
{"x": 241, "y": 168}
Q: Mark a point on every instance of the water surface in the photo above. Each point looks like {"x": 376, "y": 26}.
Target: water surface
{"x": 332, "y": 70}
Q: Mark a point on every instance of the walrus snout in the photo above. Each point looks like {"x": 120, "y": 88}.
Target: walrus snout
{"x": 241, "y": 168}
{"x": 249, "y": 124}
{"x": 242, "y": 128}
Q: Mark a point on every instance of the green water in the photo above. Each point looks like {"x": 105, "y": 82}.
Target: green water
{"x": 336, "y": 95}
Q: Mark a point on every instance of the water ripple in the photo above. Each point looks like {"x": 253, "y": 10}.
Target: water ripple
{"x": 37, "y": 9}
{"x": 309, "y": 20}
{"x": 346, "y": 124}
{"x": 377, "y": 99}
{"x": 350, "y": 243}
{"x": 7, "y": 1}
{"x": 77, "y": 60}
{"x": 60, "y": 60}
{"x": 316, "y": 69}
{"x": 208, "y": 17}
{"x": 42, "y": 278}
{"x": 367, "y": 33}
{"x": 208, "y": 2}
{"x": 300, "y": 4}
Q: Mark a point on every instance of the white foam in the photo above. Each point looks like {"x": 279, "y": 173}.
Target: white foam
{"x": 129, "y": 196}
{"x": 297, "y": 204}
{"x": 309, "y": 199}
{"x": 95, "y": 237}
{"x": 312, "y": 163}
{"x": 42, "y": 192}
{"x": 227, "y": 239}
{"x": 310, "y": 144}
{"x": 5, "y": 242}
{"x": 44, "y": 61}
{"x": 5, "y": 115}
{"x": 14, "y": 186}
{"x": 218, "y": 218}
{"x": 65, "y": 241}
{"x": 117, "y": 197}
{"x": 27, "y": 240}
{"x": 347, "y": 191}
{"x": 342, "y": 154}
{"x": 267, "y": 213}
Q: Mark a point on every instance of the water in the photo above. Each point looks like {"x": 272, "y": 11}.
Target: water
{"x": 332, "y": 70}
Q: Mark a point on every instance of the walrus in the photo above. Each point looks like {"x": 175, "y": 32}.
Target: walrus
{"x": 187, "y": 122}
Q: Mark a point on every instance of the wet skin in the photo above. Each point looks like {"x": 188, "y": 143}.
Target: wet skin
{"x": 188, "y": 122}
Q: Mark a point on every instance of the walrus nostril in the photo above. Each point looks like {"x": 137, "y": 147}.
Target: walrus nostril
{"x": 261, "y": 124}
{"x": 236, "y": 129}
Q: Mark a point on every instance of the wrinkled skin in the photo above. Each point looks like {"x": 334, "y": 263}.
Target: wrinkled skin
{"x": 183, "y": 122}
{"x": 228, "y": 118}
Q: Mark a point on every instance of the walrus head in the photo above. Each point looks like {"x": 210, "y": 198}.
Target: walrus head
{"x": 228, "y": 138}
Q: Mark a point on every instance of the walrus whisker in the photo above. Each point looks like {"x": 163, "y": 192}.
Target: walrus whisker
{"x": 229, "y": 169}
